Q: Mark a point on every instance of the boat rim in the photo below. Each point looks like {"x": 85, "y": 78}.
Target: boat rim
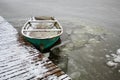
{"x": 45, "y": 37}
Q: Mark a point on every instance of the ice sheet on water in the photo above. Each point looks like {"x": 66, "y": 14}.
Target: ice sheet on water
{"x": 79, "y": 40}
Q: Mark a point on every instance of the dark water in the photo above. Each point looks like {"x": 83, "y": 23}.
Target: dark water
{"x": 91, "y": 31}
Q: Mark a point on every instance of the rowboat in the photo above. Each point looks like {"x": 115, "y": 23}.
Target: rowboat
{"x": 42, "y": 31}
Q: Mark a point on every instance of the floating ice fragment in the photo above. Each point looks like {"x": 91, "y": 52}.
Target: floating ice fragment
{"x": 117, "y": 59}
{"x": 118, "y": 51}
{"x": 118, "y": 70}
{"x": 114, "y": 55}
{"x": 107, "y": 56}
{"x": 105, "y": 49}
{"x": 112, "y": 64}
{"x": 93, "y": 40}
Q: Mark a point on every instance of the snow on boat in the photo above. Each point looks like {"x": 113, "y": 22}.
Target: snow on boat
{"x": 42, "y": 31}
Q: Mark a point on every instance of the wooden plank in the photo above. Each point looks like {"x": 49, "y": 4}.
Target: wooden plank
{"x": 43, "y": 21}
{"x": 42, "y": 30}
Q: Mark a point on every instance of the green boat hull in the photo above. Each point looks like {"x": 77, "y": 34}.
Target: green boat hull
{"x": 42, "y": 44}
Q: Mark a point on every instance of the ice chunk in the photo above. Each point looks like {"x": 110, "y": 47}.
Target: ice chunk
{"x": 118, "y": 52}
{"x": 118, "y": 70}
{"x": 107, "y": 56}
{"x": 93, "y": 40}
{"x": 117, "y": 59}
{"x": 112, "y": 64}
{"x": 114, "y": 55}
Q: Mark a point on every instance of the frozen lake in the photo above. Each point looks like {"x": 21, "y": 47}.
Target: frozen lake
{"x": 91, "y": 27}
